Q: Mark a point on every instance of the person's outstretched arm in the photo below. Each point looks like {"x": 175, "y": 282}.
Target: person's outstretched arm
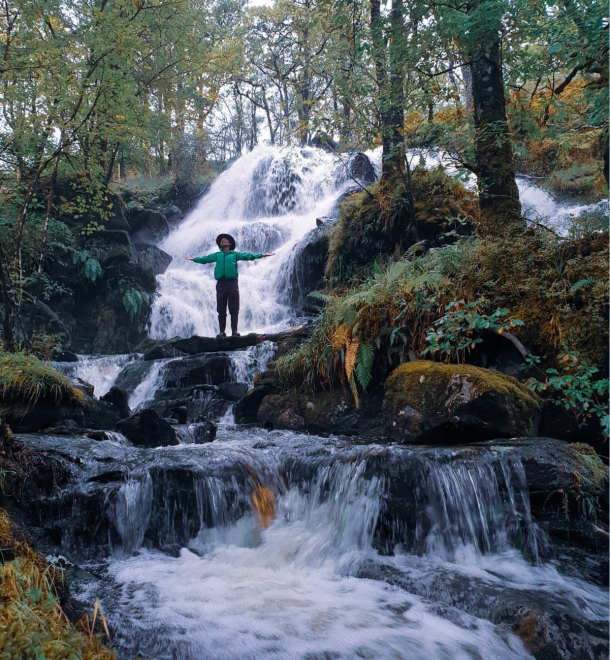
{"x": 208, "y": 259}
{"x": 248, "y": 256}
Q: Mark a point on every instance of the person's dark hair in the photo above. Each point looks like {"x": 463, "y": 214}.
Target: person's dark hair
{"x": 228, "y": 237}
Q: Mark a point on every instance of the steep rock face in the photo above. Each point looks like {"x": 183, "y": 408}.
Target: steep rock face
{"x": 428, "y": 402}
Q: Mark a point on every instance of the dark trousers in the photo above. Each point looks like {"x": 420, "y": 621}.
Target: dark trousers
{"x": 227, "y": 293}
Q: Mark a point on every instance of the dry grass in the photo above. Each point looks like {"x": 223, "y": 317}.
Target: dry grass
{"x": 32, "y": 623}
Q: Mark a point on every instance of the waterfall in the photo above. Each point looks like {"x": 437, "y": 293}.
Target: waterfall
{"x": 267, "y": 200}
{"x": 132, "y": 509}
{"x": 101, "y": 371}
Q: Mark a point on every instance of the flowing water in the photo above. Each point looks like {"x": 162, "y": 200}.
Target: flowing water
{"x": 292, "y": 547}
{"x": 275, "y": 545}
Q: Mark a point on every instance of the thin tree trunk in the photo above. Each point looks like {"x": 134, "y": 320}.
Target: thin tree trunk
{"x": 498, "y": 192}
{"x": 43, "y": 249}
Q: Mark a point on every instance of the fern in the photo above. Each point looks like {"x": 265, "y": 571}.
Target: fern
{"x": 133, "y": 302}
{"x": 364, "y": 365}
{"x": 92, "y": 270}
{"x": 581, "y": 283}
{"x": 318, "y": 295}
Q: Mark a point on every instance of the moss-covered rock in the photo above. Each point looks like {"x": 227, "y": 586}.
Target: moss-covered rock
{"x": 378, "y": 222}
{"x": 429, "y": 402}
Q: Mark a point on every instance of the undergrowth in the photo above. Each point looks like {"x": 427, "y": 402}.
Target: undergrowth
{"x": 25, "y": 378}
{"x": 548, "y": 292}
{"x": 32, "y": 624}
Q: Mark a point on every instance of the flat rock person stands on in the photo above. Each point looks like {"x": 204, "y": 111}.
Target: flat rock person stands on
{"x": 225, "y": 273}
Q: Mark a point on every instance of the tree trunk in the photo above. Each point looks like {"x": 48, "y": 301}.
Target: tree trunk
{"x": 498, "y": 193}
{"x": 391, "y": 113}
{"x": 468, "y": 102}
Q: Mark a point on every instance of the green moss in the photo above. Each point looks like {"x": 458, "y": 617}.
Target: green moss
{"x": 26, "y": 379}
{"x": 426, "y": 386}
{"x": 377, "y": 223}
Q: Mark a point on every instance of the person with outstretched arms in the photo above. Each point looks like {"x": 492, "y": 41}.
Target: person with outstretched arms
{"x": 226, "y": 276}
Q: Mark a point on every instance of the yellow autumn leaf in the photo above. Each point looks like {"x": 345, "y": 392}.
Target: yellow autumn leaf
{"x": 340, "y": 338}
{"x": 350, "y": 358}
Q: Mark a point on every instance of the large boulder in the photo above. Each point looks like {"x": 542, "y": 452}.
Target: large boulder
{"x": 148, "y": 226}
{"x": 211, "y": 369}
{"x": 148, "y": 429}
{"x": 90, "y": 413}
{"x": 152, "y": 258}
{"x": 328, "y": 411}
{"x": 362, "y": 169}
{"x": 428, "y": 402}
{"x": 195, "y": 344}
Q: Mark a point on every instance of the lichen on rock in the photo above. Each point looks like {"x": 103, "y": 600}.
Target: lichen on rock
{"x": 429, "y": 402}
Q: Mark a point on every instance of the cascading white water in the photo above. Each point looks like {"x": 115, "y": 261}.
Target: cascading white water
{"x": 267, "y": 200}
{"x": 311, "y": 584}
{"x": 101, "y": 371}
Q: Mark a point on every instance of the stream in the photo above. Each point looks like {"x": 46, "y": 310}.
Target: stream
{"x": 289, "y": 546}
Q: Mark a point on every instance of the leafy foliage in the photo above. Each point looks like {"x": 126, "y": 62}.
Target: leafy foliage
{"x": 574, "y": 388}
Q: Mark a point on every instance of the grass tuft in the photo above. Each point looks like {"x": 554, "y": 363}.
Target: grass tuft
{"x": 25, "y": 378}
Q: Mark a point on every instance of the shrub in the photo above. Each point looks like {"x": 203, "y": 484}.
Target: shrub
{"x": 549, "y": 292}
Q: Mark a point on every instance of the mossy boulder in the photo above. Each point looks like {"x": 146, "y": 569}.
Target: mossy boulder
{"x": 431, "y": 403}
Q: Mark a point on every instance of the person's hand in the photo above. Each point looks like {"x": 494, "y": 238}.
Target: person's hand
{"x": 191, "y": 258}
{"x": 269, "y": 254}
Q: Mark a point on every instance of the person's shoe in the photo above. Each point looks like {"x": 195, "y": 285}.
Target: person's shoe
{"x": 220, "y": 335}
{"x": 235, "y": 334}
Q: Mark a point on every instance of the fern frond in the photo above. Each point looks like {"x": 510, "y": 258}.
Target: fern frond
{"x": 364, "y": 365}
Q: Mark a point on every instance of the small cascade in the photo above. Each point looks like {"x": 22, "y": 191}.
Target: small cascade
{"x": 246, "y": 364}
{"x": 539, "y": 205}
{"x": 484, "y": 506}
{"x": 153, "y": 381}
{"x": 132, "y": 509}
{"x": 101, "y": 371}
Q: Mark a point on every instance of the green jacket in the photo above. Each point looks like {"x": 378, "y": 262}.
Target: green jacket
{"x": 226, "y": 263}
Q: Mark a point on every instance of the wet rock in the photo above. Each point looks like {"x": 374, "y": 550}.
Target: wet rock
{"x": 329, "y": 411}
{"x": 148, "y": 226}
{"x": 362, "y": 169}
{"x": 64, "y": 355}
{"x": 428, "y": 402}
{"x": 232, "y": 391}
{"x": 309, "y": 268}
{"x": 213, "y": 369}
{"x": 195, "y": 344}
{"x": 118, "y": 398}
{"x": 148, "y": 429}
{"x": 83, "y": 386}
{"x": 132, "y": 375}
{"x": 90, "y": 413}
{"x": 152, "y": 258}
{"x": 265, "y": 383}
{"x": 158, "y": 349}
{"x": 557, "y": 636}
{"x": 172, "y": 213}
